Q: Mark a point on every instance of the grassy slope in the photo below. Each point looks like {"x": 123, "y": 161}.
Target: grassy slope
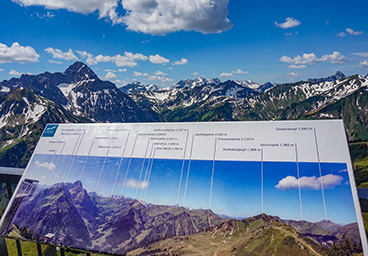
{"x": 256, "y": 237}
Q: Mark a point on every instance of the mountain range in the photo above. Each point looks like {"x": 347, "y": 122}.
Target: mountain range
{"x": 119, "y": 225}
{"x": 28, "y": 103}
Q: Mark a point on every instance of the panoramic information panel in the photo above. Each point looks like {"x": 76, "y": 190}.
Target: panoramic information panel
{"x": 190, "y": 188}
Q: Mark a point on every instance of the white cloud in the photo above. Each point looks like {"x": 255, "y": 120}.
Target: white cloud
{"x": 50, "y": 15}
{"x": 239, "y": 71}
{"x": 160, "y": 73}
{"x": 165, "y": 16}
{"x": 58, "y": 54}
{"x": 46, "y": 165}
{"x": 341, "y": 34}
{"x": 150, "y": 16}
{"x": 361, "y": 54}
{"x": 159, "y": 78}
{"x": 135, "y": 73}
{"x": 293, "y": 74}
{"x": 290, "y": 34}
{"x": 55, "y": 62}
{"x": 105, "y": 8}
{"x": 86, "y": 55}
{"x": 363, "y": 64}
{"x": 17, "y": 53}
{"x": 226, "y": 74}
{"x": 289, "y": 23}
{"x": 157, "y": 59}
{"x": 1, "y": 69}
{"x": 122, "y": 70}
{"x": 47, "y": 15}
{"x": 180, "y": 62}
{"x": 311, "y": 58}
{"x": 110, "y": 75}
{"x": 335, "y": 57}
{"x": 14, "y": 73}
{"x": 195, "y": 73}
{"x": 132, "y": 183}
{"x": 291, "y": 182}
{"x": 307, "y": 58}
{"x": 123, "y": 82}
{"x": 354, "y": 33}
{"x": 297, "y": 66}
{"x": 127, "y": 60}
{"x": 170, "y": 68}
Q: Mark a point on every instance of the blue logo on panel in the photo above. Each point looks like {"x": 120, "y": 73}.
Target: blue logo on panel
{"x": 50, "y": 130}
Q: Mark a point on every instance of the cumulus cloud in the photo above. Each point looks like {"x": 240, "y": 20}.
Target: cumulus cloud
{"x": 157, "y": 59}
{"x": 363, "y": 64}
{"x": 105, "y": 8}
{"x": 196, "y": 74}
{"x": 291, "y": 182}
{"x": 88, "y": 56}
{"x": 160, "y": 73}
{"x": 335, "y": 57}
{"x": 151, "y": 16}
{"x": 159, "y": 78}
{"x": 127, "y": 60}
{"x": 311, "y": 58}
{"x": 353, "y": 32}
{"x": 133, "y": 183}
{"x": 293, "y": 66}
{"x": 46, "y": 165}
{"x": 14, "y": 73}
{"x": 226, "y": 74}
{"x": 341, "y": 34}
{"x": 180, "y": 62}
{"x": 307, "y": 58}
{"x": 239, "y": 71}
{"x": 17, "y": 53}
{"x": 289, "y": 23}
{"x": 1, "y": 69}
{"x": 55, "y": 62}
{"x": 58, "y": 54}
{"x": 135, "y": 73}
{"x": 110, "y": 75}
{"x": 165, "y": 16}
{"x": 122, "y": 70}
{"x": 293, "y": 74}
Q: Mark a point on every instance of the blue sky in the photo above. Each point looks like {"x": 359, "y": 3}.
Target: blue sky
{"x": 236, "y": 186}
{"x": 162, "y": 42}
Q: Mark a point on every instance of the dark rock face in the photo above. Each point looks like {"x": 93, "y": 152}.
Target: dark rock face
{"x": 337, "y": 76}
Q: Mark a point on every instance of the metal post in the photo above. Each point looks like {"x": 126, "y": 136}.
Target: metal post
{"x": 3, "y": 249}
{"x": 39, "y": 250}
{"x": 19, "y": 248}
{"x": 50, "y": 251}
{"x": 8, "y": 187}
{"x": 62, "y": 251}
